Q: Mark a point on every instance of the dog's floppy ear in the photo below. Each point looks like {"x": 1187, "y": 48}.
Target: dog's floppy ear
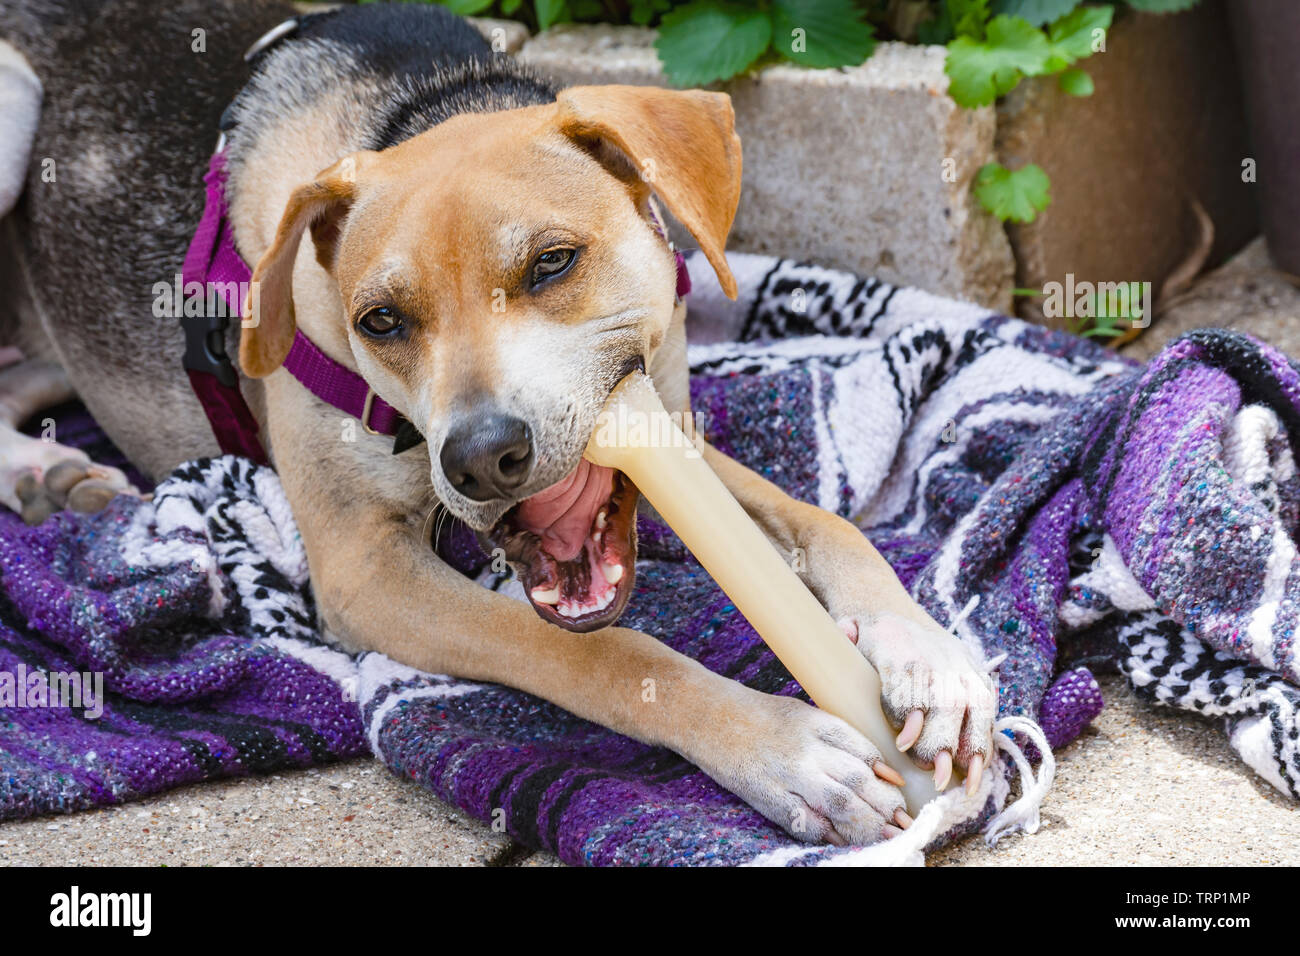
{"x": 680, "y": 143}
{"x": 268, "y": 325}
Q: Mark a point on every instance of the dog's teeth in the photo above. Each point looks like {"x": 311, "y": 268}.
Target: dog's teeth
{"x": 576, "y": 609}
{"x": 546, "y": 595}
{"x": 601, "y": 520}
{"x": 613, "y": 572}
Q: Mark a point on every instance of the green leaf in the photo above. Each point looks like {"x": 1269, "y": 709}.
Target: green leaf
{"x": 466, "y": 8}
{"x": 821, "y": 33}
{"x": 1038, "y": 12}
{"x": 1018, "y": 196}
{"x": 1073, "y": 35}
{"x": 1076, "y": 82}
{"x": 510, "y": 6}
{"x": 586, "y": 10}
{"x": 980, "y": 72}
{"x": 1162, "y": 6}
{"x": 708, "y": 40}
{"x": 551, "y": 12}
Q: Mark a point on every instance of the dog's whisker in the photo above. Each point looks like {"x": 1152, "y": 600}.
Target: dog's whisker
{"x": 443, "y": 516}
{"x": 427, "y": 518}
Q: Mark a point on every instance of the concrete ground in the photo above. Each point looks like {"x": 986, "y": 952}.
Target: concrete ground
{"x": 1142, "y": 786}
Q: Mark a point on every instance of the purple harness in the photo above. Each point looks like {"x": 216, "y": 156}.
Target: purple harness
{"x": 213, "y": 260}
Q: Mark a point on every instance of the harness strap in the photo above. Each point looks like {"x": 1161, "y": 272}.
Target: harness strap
{"x": 212, "y": 265}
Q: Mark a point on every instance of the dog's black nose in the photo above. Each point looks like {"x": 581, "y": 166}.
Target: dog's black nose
{"x": 488, "y": 456}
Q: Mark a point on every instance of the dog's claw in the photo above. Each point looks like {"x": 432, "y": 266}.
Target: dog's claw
{"x": 887, "y": 773}
{"x": 942, "y": 769}
{"x": 911, "y": 731}
{"x": 973, "y": 774}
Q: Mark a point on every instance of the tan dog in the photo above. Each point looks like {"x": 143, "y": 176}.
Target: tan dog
{"x": 493, "y": 277}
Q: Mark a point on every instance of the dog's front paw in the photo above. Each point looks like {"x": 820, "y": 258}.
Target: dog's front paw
{"x": 933, "y": 689}
{"x": 812, "y": 774}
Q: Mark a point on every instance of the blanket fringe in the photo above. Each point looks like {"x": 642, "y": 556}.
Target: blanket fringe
{"x": 960, "y": 618}
{"x": 1023, "y": 814}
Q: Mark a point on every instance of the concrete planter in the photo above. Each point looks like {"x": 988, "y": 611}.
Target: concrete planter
{"x": 1163, "y": 134}
{"x": 869, "y": 168}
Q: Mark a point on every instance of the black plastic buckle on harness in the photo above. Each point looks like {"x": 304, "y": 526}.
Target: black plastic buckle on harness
{"x": 205, "y": 335}
{"x": 205, "y": 346}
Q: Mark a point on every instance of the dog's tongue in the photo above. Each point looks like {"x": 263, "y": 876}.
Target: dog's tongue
{"x": 563, "y": 514}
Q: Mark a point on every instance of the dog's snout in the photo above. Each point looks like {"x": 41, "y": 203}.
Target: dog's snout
{"x": 487, "y": 457}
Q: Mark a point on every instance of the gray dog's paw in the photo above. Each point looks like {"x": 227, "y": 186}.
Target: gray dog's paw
{"x": 933, "y": 689}
{"x": 814, "y": 775}
{"x": 73, "y": 482}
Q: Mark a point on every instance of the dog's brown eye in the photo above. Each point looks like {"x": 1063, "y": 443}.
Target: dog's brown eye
{"x": 380, "y": 322}
{"x": 551, "y": 263}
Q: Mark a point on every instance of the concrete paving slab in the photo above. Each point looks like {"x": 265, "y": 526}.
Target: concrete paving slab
{"x": 354, "y": 813}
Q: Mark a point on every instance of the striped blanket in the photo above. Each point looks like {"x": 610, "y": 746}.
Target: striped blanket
{"x": 1145, "y": 517}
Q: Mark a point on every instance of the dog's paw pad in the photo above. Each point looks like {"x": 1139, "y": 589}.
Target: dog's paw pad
{"x": 36, "y": 503}
{"x": 75, "y": 482}
{"x": 92, "y": 494}
{"x": 61, "y": 479}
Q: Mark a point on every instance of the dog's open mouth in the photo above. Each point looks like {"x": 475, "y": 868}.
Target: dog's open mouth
{"x": 574, "y": 546}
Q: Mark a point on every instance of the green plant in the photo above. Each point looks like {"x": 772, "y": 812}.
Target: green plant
{"x": 1017, "y": 195}
{"x": 980, "y": 70}
{"x": 1101, "y": 316}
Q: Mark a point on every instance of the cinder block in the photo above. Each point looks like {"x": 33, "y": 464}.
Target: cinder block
{"x": 866, "y": 169}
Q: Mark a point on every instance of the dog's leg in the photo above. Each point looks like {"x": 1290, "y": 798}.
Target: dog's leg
{"x": 20, "y": 110}
{"x": 934, "y": 690}
{"x": 38, "y": 476}
{"x": 380, "y": 586}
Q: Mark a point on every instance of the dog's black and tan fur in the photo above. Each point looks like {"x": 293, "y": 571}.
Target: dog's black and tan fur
{"x": 384, "y": 162}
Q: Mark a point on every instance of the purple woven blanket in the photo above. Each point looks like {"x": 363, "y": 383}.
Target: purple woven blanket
{"x": 1143, "y": 517}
